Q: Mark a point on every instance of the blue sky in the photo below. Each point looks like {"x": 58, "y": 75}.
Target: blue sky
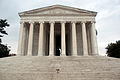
{"x": 107, "y": 19}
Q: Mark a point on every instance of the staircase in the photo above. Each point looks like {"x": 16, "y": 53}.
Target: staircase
{"x": 59, "y": 68}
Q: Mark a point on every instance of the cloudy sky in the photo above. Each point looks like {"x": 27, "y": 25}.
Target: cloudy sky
{"x": 107, "y": 19}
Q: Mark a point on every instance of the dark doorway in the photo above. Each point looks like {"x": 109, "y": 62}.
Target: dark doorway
{"x": 58, "y": 45}
{"x": 66, "y": 45}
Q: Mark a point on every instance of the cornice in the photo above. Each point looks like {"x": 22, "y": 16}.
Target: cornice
{"x": 32, "y": 15}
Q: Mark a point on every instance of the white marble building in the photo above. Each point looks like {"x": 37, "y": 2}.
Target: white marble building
{"x": 57, "y": 31}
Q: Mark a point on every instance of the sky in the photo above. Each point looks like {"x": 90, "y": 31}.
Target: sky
{"x": 107, "y": 19}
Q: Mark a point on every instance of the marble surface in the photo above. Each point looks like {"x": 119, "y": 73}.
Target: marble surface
{"x": 59, "y": 68}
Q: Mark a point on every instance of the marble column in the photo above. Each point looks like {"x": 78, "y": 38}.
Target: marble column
{"x": 30, "y": 40}
{"x": 51, "y": 46}
{"x": 74, "y": 39}
{"x": 63, "y": 45}
{"x": 93, "y": 39}
{"x": 21, "y": 38}
{"x": 26, "y": 39}
{"x": 41, "y": 34}
{"x": 84, "y": 39}
{"x": 88, "y": 39}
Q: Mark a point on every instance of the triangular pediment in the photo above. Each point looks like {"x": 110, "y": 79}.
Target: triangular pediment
{"x": 58, "y": 10}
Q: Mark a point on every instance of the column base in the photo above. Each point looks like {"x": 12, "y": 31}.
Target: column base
{"x": 51, "y": 55}
{"x": 40, "y": 54}
{"x": 74, "y": 54}
{"x": 19, "y": 55}
{"x": 29, "y": 54}
{"x": 62, "y": 55}
{"x": 85, "y": 55}
{"x": 95, "y": 54}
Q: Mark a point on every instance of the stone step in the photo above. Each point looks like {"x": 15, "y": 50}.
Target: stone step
{"x": 59, "y": 76}
{"x": 59, "y": 68}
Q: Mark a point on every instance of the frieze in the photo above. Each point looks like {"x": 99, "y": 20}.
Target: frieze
{"x": 58, "y": 18}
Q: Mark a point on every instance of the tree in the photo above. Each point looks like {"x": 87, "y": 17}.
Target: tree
{"x": 3, "y": 25}
{"x": 113, "y": 49}
{"x": 4, "y": 50}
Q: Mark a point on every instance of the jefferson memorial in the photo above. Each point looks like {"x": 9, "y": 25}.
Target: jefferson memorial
{"x": 58, "y": 43}
{"x": 57, "y": 31}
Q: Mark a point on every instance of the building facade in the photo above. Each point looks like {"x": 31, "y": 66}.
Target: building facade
{"x": 57, "y": 31}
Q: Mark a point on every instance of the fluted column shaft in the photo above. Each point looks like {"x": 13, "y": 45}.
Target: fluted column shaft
{"x": 84, "y": 39}
{"x": 30, "y": 40}
{"x": 21, "y": 35}
{"x": 41, "y": 34}
{"x": 63, "y": 45}
{"x": 74, "y": 39}
{"x": 93, "y": 39}
{"x": 51, "y": 46}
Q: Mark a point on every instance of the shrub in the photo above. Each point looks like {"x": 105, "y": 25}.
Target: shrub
{"x": 4, "y": 51}
{"x": 113, "y": 49}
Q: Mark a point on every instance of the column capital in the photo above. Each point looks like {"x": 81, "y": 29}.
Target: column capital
{"x": 93, "y": 21}
{"x": 41, "y": 21}
{"x": 31, "y": 22}
{"x": 83, "y": 22}
{"x": 22, "y": 22}
{"x": 63, "y": 22}
{"x": 52, "y": 22}
{"x": 73, "y": 21}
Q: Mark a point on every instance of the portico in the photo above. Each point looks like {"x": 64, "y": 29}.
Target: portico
{"x": 57, "y": 31}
